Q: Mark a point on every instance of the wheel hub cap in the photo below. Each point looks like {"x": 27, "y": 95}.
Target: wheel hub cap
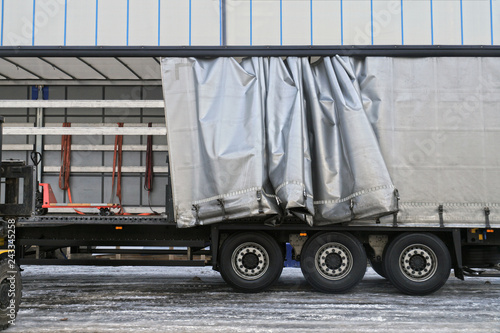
{"x": 250, "y": 261}
{"x": 418, "y": 262}
{"x": 333, "y": 261}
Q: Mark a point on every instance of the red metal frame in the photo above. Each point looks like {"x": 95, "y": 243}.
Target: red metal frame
{"x": 49, "y": 201}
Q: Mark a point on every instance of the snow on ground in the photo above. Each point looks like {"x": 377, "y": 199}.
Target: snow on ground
{"x": 172, "y": 299}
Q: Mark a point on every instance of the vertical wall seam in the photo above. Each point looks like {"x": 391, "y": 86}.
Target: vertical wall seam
{"x": 33, "y": 25}
{"x": 311, "y": 12}
{"x": 461, "y": 23}
{"x": 371, "y": 18}
{"x": 491, "y": 19}
{"x": 281, "y": 22}
{"x": 65, "y": 19}
{"x": 128, "y": 19}
{"x": 402, "y": 25}
{"x": 96, "y": 19}
{"x": 432, "y": 24}
{"x": 159, "y": 16}
{"x": 341, "y": 23}
{"x": 189, "y": 22}
{"x": 1, "y": 33}
{"x": 251, "y": 23}
{"x": 220, "y": 22}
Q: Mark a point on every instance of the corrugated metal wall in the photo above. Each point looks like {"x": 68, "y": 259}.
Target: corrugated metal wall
{"x": 250, "y": 22}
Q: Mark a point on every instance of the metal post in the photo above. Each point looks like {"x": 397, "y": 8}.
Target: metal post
{"x": 39, "y": 138}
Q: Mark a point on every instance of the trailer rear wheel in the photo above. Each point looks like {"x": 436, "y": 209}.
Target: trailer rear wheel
{"x": 250, "y": 262}
{"x": 417, "y": 264}
{"x": 10, "y": 292}
{"x": 333, "y": 262}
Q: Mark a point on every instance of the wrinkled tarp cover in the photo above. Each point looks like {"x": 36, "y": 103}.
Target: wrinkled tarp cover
{"x": 438, "y": 125}
{"x": 268, "y": 137}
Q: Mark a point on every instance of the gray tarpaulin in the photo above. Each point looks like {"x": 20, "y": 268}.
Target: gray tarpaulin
{"x": 268, "y": 137}
{"x": 438, "y": 124}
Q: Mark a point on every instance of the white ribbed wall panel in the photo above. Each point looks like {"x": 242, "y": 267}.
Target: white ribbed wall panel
{"x": 446, "y": 22}
{"x": 296, "y": 22}
{"x": 49, "y": 18}
{"x": 387, "y": 22}
{"x": 357, "y": 22}
{"x": 238, "y": 21}
{"x": 476, "y": 28}
{"x": 17, "y": 24}
{"x": 326, "y": 17}
{"x": 81, "y": 31}
{"x": 143, "y": 22}
{"x": 205, "y": 22}
{"x": 417, "y": 28}
{"x": 112, "y": 22}
{"x": 266, "y": 25}
{"x": 174, "y": 22}
{"x": 495, "y": 9}
{"x": 249, "y": 22}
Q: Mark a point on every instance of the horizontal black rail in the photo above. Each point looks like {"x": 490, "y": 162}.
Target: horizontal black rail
{"x": 147, "y": 252}
{"x": 245, "y": 51}
{"x": 109, "y": 262}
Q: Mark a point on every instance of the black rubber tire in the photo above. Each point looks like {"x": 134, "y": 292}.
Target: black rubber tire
{"x": 264, "y": 243}
{"x": 438, "y": 263}
{"x": 323, "y": 280}
{"x": 10, "y": 293}
{"x": 378, "y": 267}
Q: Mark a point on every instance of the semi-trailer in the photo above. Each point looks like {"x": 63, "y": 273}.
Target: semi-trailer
{"x": 349, "y": 155}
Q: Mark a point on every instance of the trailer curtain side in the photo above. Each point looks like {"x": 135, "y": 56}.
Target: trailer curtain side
{"x": 326, "y": 140}
{"x": 437, "y": 120}
{"x": 267, "y": 136}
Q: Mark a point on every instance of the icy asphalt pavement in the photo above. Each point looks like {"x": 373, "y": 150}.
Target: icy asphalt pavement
{"x": 170, "y": 299}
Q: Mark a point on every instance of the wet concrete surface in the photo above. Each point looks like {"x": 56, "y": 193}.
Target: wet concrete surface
{"x": 170, "y": 299}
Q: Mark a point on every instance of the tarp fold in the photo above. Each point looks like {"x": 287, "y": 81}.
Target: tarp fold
{"x": 269, "y": 137}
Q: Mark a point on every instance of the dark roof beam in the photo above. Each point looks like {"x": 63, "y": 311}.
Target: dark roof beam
{"x": 5, "y": 76}
{"x": 128, "y": 67}
{"x": 58, "y": 68}
{"x": 23, "y": 68}
{"x": 93, "y": 68}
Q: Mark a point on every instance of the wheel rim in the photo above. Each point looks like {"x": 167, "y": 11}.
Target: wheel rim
{"x": 250, "y": 261}
{"x": 333, "y": 261}
{"x": 418, "y": 262}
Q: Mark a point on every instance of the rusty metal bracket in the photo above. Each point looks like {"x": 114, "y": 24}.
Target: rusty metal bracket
{"x": 221, "y": 204}
{"x": 259, "y": 200}
{"x": 196, "y": 209}
{"x": 441, "y": 220}
{"x": 487, "y": 217}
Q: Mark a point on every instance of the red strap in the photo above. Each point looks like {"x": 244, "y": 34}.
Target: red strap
{"x": 118, "y": 154}
{"x": 117, "y": 169}
{"x": 65, "y": 171}
{"x": 71, "y": 201}
{"x": 65, "y": 160}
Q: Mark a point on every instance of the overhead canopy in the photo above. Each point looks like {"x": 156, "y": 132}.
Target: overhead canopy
{"x": 139, "y": 65}
{"x": 79, "y": 70}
